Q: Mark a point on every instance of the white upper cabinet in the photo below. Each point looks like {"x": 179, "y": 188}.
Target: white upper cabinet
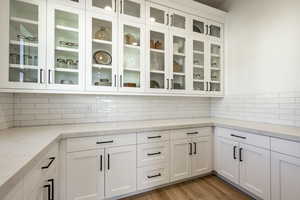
{"x": 66, "y": 48}
{"x": 27, "y": 36}
{"x": 73, "y": 3}
{"x": 101, "y": 52}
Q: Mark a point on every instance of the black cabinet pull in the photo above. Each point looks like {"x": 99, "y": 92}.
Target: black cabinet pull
{"x": 192, "y": 133}
{"x": 48, "y": 191}
{"x": 191, "y": 148}
{"x": 168, "y": 19}
{"x": 115, "y": 5}
{"x": 105, "y": 142}
{"x": 121, "y": 78}
{"x": 168, "y": 83}
{"x": 52, "y": 188}
{"x": 195, "y": 146}
{"x": 50, "y": 163}
{"x": 101, "y": 163}
{"x": 157, "y": 175}
{"x": 234, "y": 152}
{"x": 121, "y": 6}
{"x": 49, "y": 76}
{"x": 237, "y": 136}
{"x": 153, "y": 154}
{"x": 206, "y": 29}
{"x": 41, "y": 76}
{"x": 108, "y": 161}
{"x": 154, "y": 137}
{"x": 241, "y": 160}
{"x": 115, "y": 80}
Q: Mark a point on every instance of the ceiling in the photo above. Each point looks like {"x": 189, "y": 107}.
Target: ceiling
{"x": 213, "y": 3}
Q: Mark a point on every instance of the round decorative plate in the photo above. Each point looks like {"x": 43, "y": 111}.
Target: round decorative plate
{"x": 102, "y": 57}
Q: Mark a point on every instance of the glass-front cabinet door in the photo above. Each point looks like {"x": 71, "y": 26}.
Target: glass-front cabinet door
{"x": 74, "y": 3}
{"x": 179, "y": 62}
{"x": 199, "y": 26}
{"x": 66, "y": 47}
{"x": 101, "y": 62}
{"x": 133, "y": 10}
{"x": 157, "y": 58}
{"x": 199, "y": 65}
{"x": 216, "y": 68}
{"x": 215, "y": 31}
{"x": 178, "y": 20}
{"x": 26, "y": 44}
{"x": 105, "y": 6}
{"x": 157, "y": 15}
{"x": 132, "y": 59}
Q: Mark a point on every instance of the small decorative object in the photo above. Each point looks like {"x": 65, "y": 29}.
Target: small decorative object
{"x": 29, "y": 38}
{"x": 102, "y": 34}
{"x": 129, "y": 84}
{"x": 69, "y": 82}
{"x": 68, "y": 44}
{"x": 154, "y": 84}
{"x": 152, "y": 44}
{"x": 177, "y": 67}
{"x": 130, "y": 39}
{"x": 158, "y": 45}
{"x": 102, "y": 57}
{"x": 197, "y": 29}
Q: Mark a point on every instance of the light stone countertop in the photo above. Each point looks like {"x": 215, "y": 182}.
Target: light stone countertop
{"x": 20, "y": 148}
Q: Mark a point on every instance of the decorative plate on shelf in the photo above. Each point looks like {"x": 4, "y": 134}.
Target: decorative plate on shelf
{"x": 102, "y": 57}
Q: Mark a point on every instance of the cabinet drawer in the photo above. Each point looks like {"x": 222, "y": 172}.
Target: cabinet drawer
{"x": 152, "y": 176}
{"x": 190, "y": 133}
{"x": 285, "y": 147}
{"x": 89, "y": 143}
{"x": 151, "y": 137}
{"x": 243, "y": 137}
{"x": 153, "y": 153}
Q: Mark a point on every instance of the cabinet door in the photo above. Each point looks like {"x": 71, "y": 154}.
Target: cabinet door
{"x": 157, "y": 15}
{"x": 285, "y": 177}
{"x": 101, "y": 62}
{"x": 132, "y": 57}
{"x": 132, "y": 10}
{"x": 202, "y": 156}
{"x": 26, "y": 53}
{"x": 178, "y": 62}
{"x": 198, "y": 26}
{"x": 158, "y": 72}
{"x": 227, "y": 159}
{"x": 178, "y": 21}
{"x": 215, "y": 72}
{"x": 85, "y": 175}
{"x": 215, "y": 31}
{"x": 255, "y": 170}
{"x": 107, "y": 7}
{"x": 121, "y": 167}
{"x": 65, "y": 48}
{"x": 181, "y": 151}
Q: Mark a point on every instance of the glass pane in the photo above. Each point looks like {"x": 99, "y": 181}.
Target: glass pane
{"x": 157, "y": 40}
{"x": 199, "y": 59}
{"x": 215, "y": 75}
{"x": 216, "y": 87}
{"x": 131, "y": 58}
{"x": 157, "y": 54}
{"x": 198, "y": 46}
{"x": 198, "y": 86}
{"x": 132, "y": 8}
{"x": 102, "y": 30}
{"x": 178, "y": 45}
{"x": 215, "y": 56}
{"x": 23, "y": 47}
{"x": 178, "y": 21}
{"x": 157, "y": 60}
{"x": 102, "y": 77}
{"x": 131, "y": 35}
{"x": 157, "y": 15}
{"x": 198, "y": 74}
{"x": 157, "y": 80}
{"x": 198, "y": 26}
{"x": 131, "y": 78}
{"x": 179, "y": 82}
{"x": 178, "y": 64}
{"x": 215, "y": 49}
{"x": 66, "y": 48}
{"x": 104, "y": 4}
{"x": 215, "y": 31}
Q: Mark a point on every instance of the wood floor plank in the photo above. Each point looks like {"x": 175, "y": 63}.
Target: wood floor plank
{"x": 206, "y": 188}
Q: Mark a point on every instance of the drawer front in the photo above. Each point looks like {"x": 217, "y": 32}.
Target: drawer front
{"x": 152, "y": 176}
{"x": 190, "y": 133}
{"x": 153, "y": 153}
{"x": 285, "y": 147}
{"x": 244, "y": 137}
{"x": 151, "y": 137}
{"x": 89, "y": 143}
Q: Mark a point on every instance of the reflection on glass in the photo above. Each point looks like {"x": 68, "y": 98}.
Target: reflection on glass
{"x": 198, "y": 46}
{"x": 66, "y": 78}
{"x": 178, "y": 21}
{"x": 102, "y": 77}
{"x": 179, "y": 82}
{"x": 179, "y": 64}
{"x": 215, "y": 31}
{"x": 131, "y": 79}
{"x": 132, "y": 8}
{"x": 215, "y": 49}
{"x": 157, "y": 15}
{"x": 23, "y": 75}
{"x": 157, "y": 61}
{"x": 215, "y": 87}
{"x": 198, "y": 59}
{"x": 103, "y": 4}
{"x": 215, "y": 75}
{"x": 198, "y": 74}
{"x": 198, "y": 27}
{"x": 198, "y": 86}
{"x": 178, "y": 45}
{"x": 157, "y": 80}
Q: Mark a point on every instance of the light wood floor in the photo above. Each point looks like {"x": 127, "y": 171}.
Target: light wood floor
{"x": 207, "y": 188}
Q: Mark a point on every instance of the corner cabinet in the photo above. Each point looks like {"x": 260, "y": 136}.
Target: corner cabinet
{"x": 111, "y": 46}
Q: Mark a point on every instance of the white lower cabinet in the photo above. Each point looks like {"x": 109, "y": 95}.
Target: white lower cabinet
{"x": 202, "y": 156}
{"x": 285, "y": 177}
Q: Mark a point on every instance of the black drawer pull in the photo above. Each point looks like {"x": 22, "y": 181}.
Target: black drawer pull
{"x": 105, "y": 142}
{"x": 192, "y": 133}
{"x": 154, "y": 176}
{"x": 237, "y": 136}
{"x": 153, "y": 154}
{"x": 154, "y": 137}
{"x": 50, "y": 163}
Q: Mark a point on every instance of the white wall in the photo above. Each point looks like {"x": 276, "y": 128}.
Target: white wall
{"x": 263, "y": 46}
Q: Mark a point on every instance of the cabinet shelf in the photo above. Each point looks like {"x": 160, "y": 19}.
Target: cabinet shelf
{"x": 18, "y": 66}
{"x": 198, "y": 81}
{"x": 157, "y": 71}
{"x": 65, "y": 28}
{"x": 178, "y": 73}
{"x": 198, "y": 66}
{"x": 30, "y": 44}
{"x": 132, "y": 69}
{"x": 215, "y": 81}
{"x": 198, "y": 52}
{"x": 66, "y": 49}
{"x": 132, "y": 46}
{"x": 179, "y": 54}
{"x": 66, "y": 70}
{"x": 22, "y": 20}
{"x": 215, "y": 55}
{"x": 102, "y": 66}
{"x": 102, "y": 41}
{"x": 157, "y": 50}
{"x": 215, "y": 68}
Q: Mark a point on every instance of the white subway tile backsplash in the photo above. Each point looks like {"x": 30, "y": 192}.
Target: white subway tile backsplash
{"x": 6, "y": 110}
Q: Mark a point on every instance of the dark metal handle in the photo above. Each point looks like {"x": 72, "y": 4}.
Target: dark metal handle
{"x": 115, "y": 80}
{"x": 49, "y": 76}
{"x": 157, "y": 175}
{"x": 195, "y": 146}
{"x": 154, "y": 137}
{"x": 50, "y": 163}
{"x": 105, "y": 142}
{"x": 237, "y": 136}
{"x": 241, "y": 149}
{"x": 101, "y": 163}
{"x": 191, "y": 148}
{"x": 41, "y": 75}
{"x": 172, "y": 20}
{"x": 234, "y": 152}
{"x": 168, "y": 19}
{"x": 108, "y": 161}
{"x": 48, "y": 190}
{"x": 153, "y": 154}
{"x": 172, "y": 82}
{"x": 206, "y": 86}
{"x": 115, "y": 5}
{"x": 52, "y": 188}
{"x": 206, "y": 29}
{"x": 121, "y": 6}
{"x": 121, "y": 81}
{"x": 193, "y": 133}
{"x": 168, "y": 83}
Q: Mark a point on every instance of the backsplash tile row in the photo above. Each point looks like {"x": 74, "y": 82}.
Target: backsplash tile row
{"x": 6, "y": 110}
{"x": 49, "y": 109}
{"x": 275, "y": 108}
